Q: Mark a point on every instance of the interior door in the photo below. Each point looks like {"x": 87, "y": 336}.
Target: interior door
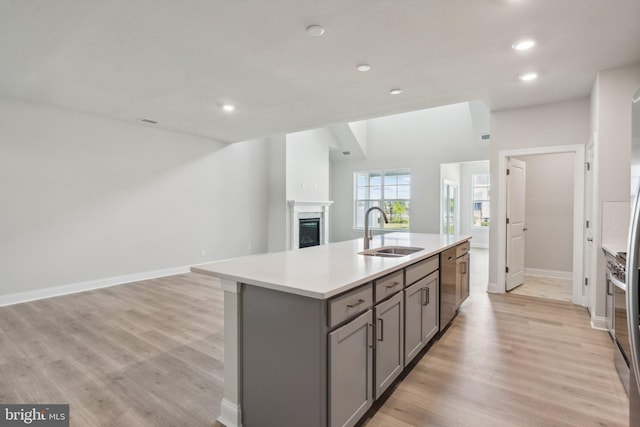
{"x": 588, "y": 224}
{"x": 450, "y": 208}
{"x": 516, "y": 186}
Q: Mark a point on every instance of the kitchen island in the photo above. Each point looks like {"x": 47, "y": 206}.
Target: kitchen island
{"x": 301, "y": 343}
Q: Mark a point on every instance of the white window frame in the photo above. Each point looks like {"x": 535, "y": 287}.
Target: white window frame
{"x": 380, "y": 202}
{"x": 473, "y": 200}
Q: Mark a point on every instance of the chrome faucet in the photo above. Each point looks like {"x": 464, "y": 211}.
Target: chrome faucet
{"x": 367, "y": 232}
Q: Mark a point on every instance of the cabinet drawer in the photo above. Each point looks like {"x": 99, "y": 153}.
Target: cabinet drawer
{"x": 350, "y": 304}
{"x": 462, "y": 249}
{"x": 389, "y": 285}
{"x": 421, "y": 269}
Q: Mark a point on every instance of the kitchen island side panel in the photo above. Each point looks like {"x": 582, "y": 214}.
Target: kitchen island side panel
{"x": 284, "y": 377}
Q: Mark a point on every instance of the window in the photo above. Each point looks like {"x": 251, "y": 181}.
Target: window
{"x": 480, "y": 184}
{"x": 390, "y": 190}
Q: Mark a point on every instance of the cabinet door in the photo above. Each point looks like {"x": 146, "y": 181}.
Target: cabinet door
{"x": 462, "y": 279}
{"x": 421, "y": 314}
{"x": 430, "y": 308}
{"x": 351, "y": 370}
{"x": 389, "y": 360}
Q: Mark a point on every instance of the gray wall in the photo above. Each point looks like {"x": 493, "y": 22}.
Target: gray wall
{"x": 549, "y": 212}
{"x": 421, "y": 141}
{"x": 85, "y": 198}
{"x": 277, "y": 233}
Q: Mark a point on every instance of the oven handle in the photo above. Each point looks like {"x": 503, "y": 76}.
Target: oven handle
{"x": 618, "y": 283}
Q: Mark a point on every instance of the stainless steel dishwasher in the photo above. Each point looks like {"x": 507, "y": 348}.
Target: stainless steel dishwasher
{"x": 454, "y": 281}
{"x": 448, "y": 305}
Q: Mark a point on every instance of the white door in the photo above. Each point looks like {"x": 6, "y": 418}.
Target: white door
{"x": 516, "y": 185}
{"x": 588, "y": 225}
{"x": 450, "y": 208}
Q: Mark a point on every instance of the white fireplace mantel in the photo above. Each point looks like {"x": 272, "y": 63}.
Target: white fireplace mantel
{"x": 308, "y": 209}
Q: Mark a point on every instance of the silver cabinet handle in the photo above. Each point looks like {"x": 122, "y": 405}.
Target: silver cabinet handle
{"x": 464, "y": 268}
{"x": 370, "y": 335}
{"x": 355, "y": 304}
{"x": 589, "y": 239}
{"x": 525, "y": 229}
{"x": 381, "y": 327}
{"x": 425, "y": 296}
{"x": 393, "y": 285}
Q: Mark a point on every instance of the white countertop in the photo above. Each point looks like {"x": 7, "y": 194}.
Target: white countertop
{"x": 324, "y": 271}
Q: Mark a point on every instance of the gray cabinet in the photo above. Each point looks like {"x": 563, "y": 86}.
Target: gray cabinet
{"x": 351, "y": 370}
{"x": 421, "y": 314}
{"x": 462, "y": 278}
{"x": 389, "y": 346}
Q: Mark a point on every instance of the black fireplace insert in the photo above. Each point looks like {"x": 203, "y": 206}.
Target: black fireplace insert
{"x": 309, "y": 232}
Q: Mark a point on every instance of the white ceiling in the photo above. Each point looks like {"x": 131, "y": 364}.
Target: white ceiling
{"x": 176, "y": 61}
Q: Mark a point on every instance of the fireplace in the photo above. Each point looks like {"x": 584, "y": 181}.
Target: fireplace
{"x": 309, "y": 229}
{"x": 308, "y": 224}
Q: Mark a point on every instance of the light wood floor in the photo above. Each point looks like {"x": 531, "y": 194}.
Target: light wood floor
{"x": 511, "y": 360}
{"x": 546, "y": 287}
{"x": 143, "y": 354}
{"x": 150, "y": 354}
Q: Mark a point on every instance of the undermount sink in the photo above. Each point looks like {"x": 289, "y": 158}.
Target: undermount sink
{"x": 391, "y": 251}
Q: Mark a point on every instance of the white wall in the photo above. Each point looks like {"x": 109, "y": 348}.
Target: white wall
{"x": 549, "y": 213}
{"x": 308, "y": 165}
{"x": 419, "y": 140}
{"x": 480, "y": 235}
{"x": 561, "y": 123}
{"x": 611, "y": 121}
{"x": 85, "y": 198}
{"x": 450, "y": 172}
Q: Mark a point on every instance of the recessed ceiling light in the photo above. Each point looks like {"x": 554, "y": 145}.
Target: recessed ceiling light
{"x": 527, "y": 77}
{"x": 229, "y": 107}
{"x": 363, "y": 67}
{"x": 524, "y": 45}
{"x": 395, "y": 91}
{"x": 315, "y": 30}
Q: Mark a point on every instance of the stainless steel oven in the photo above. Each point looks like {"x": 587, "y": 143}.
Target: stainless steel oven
{"x": 616, "y": 280}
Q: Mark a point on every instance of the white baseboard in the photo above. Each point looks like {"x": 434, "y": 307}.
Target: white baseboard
{"x": 229, "y": 414}
{"x": 479, "y": 245}
{"x": 600, "y": 323}
{"x": 549, "y": 273}
{"x": 55, "y": 291}
{"x": 492, "y": 288}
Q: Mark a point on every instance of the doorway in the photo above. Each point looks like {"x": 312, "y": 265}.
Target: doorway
{"x": 539, "y": 230}
{"x": 577, "y": 202}
{"x": 465, "y": 199}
